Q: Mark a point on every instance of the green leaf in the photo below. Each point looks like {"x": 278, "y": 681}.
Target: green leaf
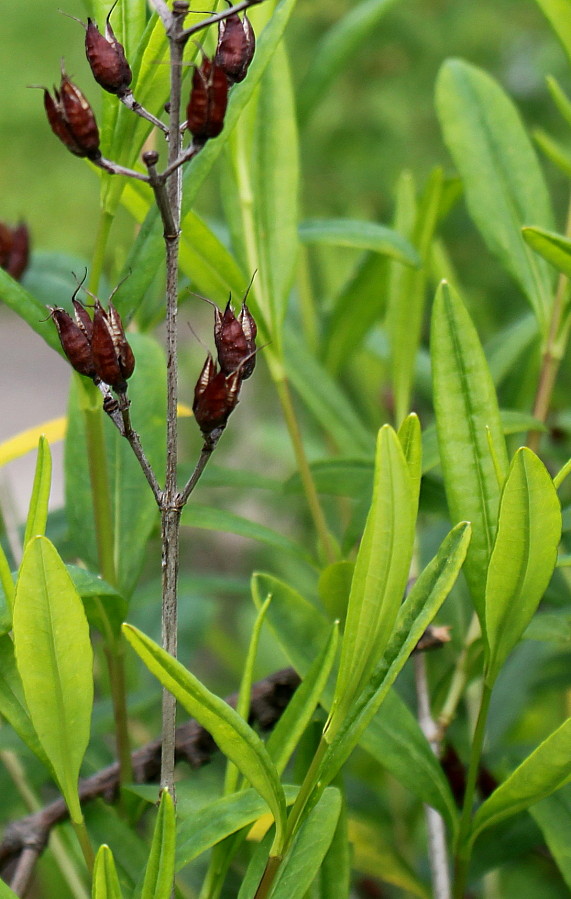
{"x": 340, "y": 476}
{"x": 12, "y": 703}
{"x": 467, "y": 411}
{"x": 407, "y": 289}
{"x": 374, "y": 857}
{"x": 299, "y": 868}
{"x": 550, "y": 627}
{"x": 539, "y": 775}
{"x": 104, "y": 606}
{"x": 276, "y": 192}
{"x": 38, "y": 511}
{"x": 555, "y": 248}
{"x": 393, "y": 737}
{"x": 557, "y": 13}
{"x": 134, "y": 509}
{"x": 553, "y": 816}
{"x": 339, "y": 44}
{"x": 410, "y": 438}
{"x": 559, "y": 97}
{"x": 325, "y": 399}
{"x": 381, "y": 572}
{"x": 217, "y": 820}
{"x": 146, "y": 257}
{"x": 504, "y": 185}
{"x": 415, "y": 614}
{"x": 31, "y": 310}
{"x": 360, "y": 236}
{"x": 6, "y": 892}
{"x": 159, "y": 874}
{"x": 299, "y": 712}
{"x": 507, "y": 347}
{"x": 214, "y": 519}
{"x": 55, "y": 661}
{"x": 105, "y": 879}
{"x": 554, "y": 150}
{"x": 523, "y": 557}
{"x": 232, "y": 734}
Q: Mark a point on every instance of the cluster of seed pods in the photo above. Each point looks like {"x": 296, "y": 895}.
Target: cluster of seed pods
{"x": 72, "y": 120}
{"x": 97, "y": 347}
{"x": 217, "y": 389}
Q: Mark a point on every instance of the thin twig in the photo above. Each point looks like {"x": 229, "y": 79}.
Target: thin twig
{"x": 129, "y": 101}
{"x": 171, "y": 510}
{"x": 438, "y": 856}
{"x": 157, "y": 182}
{"x": 188, "y": 154}
{"x": 135, "y": 443}
{"x": 113, "y": 168}
{"x": 205, "y": 454}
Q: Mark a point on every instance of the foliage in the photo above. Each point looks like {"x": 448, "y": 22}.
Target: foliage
{"x": 395, "y": 474}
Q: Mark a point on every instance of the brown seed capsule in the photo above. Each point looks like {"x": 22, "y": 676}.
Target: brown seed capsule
{"x": 74, "y": 341}
{"x": 112, "y": 356}
{"x": 18, "y": 261}
{"x": 208, "y": 100}
{"x": 83, "y": 318}
{"x": 236, "y": 46}
{"x": 124, "y": 352}
{"x": 235, "y": 340}
{"x": 107, "y": 59}
{"x": 215, "y": 397}
{"x": 71, "y": 119}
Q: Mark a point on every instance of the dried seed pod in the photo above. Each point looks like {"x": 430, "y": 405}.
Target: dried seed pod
{"x": 215, "y": 397}
{"x": 208, "y": 100}
{"x": 112, "y": 356}
{"x": 235, "y": 340}
{"x": 6, "y": 243}
{"x": 236, "y": 46}
{"x": 83, "y": 318}
{"x": 74, "y": 341}
{"x": 20, "y": 254}
{"x": 107, "y": 59}
{"x": 72, "y": 120}
{"x": 125, "y": 354}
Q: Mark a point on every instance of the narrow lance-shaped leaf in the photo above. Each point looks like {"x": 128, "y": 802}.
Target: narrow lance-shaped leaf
{"x": 415, "y": 614}
{"x": 504, "y": 184}
{"x": 539, "y": 775}
{"x": 393, "y": 737}
{"x": 406, "y": 299}
{"x": 557, "y": 12}
{"x": 55, "y": 661}
{"x": 555, "y": 248}
{"x": 12, "y": 703}
{"x": 381, "y": 572}
{"x": 38, "y": 511}
{"x": 105, "y": 879}
{"x": 410, "y": 438}
{"x": 523, "y": 557}
{"x": 276, "y": 192}
{"x": 467, "y": 412}
{"x": 360, "y": 236}
{"x": 232, "y": 734}
{"x": 159, "y": 874}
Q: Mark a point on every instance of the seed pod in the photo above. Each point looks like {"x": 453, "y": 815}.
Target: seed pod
{"x": 107, "y": 59}
{"x": 215, "y": 397}
{"x": 124, "y": 352}
{"x": 236, "y": 46}
{"x": 83, "y": 318}
{"x": 112, "y": 356}
{"x": 235, "y": 340}
{"x": 72, "y": 120}
{"x": 19, "y": 256}
{"x": 208, "y": 100}
{"x": 6, "y": 243}
{"x": 74, "y": 341}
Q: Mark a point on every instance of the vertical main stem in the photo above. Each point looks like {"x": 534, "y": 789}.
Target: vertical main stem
{"x": 170, "y": 510}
